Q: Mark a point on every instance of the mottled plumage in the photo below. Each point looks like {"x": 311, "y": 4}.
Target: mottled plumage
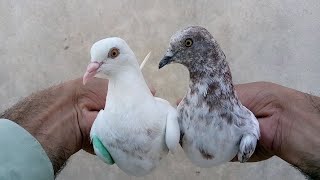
{"x": 135, "y": 127}
{"x": 214, "y": 125}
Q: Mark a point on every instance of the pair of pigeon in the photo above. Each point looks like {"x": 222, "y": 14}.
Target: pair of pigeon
{"x": 136, "y": 130}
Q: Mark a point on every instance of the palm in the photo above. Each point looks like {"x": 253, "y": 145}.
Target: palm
{"x": 91, "y": 99}
{"x": 260, "y": 98}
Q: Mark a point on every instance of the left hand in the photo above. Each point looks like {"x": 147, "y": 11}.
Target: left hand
{"x": 60, "y": 117}
{"x": 90, "y": 99}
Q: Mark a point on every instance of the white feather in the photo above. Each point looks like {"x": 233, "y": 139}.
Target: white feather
{"x": 145, "y": 60}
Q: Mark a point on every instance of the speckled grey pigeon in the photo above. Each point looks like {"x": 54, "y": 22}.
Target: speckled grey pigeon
{"x": 214, "y": 125}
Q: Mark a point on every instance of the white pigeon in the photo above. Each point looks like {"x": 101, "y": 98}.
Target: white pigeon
{"x": 136, "y": 128}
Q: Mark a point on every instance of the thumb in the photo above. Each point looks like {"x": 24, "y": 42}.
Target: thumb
{"x": 89, "y": 116}
{"x": 178, "y": 101}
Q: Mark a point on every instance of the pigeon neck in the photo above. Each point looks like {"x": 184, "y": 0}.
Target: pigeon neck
{"x": 215, "y": 81}
{"x": 210, "y": 69}
{"x": 127, "y": 85}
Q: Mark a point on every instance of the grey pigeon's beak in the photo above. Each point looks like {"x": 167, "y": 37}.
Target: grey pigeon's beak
{"x": 165, "y": 60}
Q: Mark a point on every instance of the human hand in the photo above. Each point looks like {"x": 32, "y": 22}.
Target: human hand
{"x": 60, "y": 117}
{"x": 288, "y": 119}
{"x": 289, "y": 123}
{"x": 263, "y": 99}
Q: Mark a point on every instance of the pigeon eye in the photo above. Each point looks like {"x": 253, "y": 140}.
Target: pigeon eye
{"x": 188, "y": 42}
{"x": 113, "y": 53}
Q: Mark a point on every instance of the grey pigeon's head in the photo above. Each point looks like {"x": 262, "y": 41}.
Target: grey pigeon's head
{"x": 192, "y": 46}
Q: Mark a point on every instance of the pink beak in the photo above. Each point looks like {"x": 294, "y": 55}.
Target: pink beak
{"x": 91, "y": 71}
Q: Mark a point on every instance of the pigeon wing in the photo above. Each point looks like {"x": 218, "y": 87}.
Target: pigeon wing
{"x": 99, "y": 149}
{"x": 172, "y": 135}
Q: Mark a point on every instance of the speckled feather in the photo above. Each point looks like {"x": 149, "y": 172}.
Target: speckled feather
{"x": 214, "y": 125}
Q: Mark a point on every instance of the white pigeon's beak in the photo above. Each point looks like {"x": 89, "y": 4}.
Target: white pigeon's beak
{"x": 92, "y": 70}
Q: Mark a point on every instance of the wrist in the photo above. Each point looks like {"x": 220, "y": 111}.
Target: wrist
{"x": 49, "y": 116}
{"x": 300, "y": 129}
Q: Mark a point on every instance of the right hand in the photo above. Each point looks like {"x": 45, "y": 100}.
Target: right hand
{"x": 289, "y": 121}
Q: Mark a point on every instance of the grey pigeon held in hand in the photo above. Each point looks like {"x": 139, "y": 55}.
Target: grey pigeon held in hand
{"x": 214, "y": 125}
{"x": 136, "y": 128}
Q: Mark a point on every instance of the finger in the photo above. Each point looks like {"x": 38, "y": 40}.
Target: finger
{"x": 153, "y": 90}
{"x": 257, "y": 96}
{"x": 248, "y": 92}
{"x": 90, "y": 116}
{"x": 95, "y": 92}
{"x": 253, "y": 158}
{"x": 178, "y": 101}
{"x": 89, "y": 149}
{"x": 260, "y": 154}
{"x": 99, "y": 86}
{"x": 235, "y": 159}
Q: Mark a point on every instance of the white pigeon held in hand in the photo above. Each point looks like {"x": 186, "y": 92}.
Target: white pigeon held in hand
{"x": 136, "y": 128}
{"x": 214, "y": 125}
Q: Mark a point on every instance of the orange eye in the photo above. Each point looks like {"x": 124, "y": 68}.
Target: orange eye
{"x": 188, "y": 42}
{"x": 113, "y": 53}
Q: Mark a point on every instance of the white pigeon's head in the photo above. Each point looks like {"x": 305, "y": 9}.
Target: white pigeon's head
{"x": 108, "y": 56}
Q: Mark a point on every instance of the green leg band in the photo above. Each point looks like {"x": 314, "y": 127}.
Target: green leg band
{"x": 102, "y": 151}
